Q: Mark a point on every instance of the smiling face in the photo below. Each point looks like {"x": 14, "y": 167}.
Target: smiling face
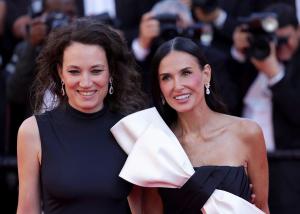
{"x": 182, "y": 80}
{"x": 85, "y": 73}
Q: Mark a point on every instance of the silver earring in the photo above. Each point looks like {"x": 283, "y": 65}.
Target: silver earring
{"x": 207, "y": 90}
{"x": 163, "y": 100}
{"x": 111, "y": 89}
{"x": 62, "y": 88}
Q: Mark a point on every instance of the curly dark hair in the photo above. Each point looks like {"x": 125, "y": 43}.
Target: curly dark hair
{"x": 127, "y": 97}
{"x": 186, "y": 45}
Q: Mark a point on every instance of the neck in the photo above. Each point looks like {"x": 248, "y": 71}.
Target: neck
{"x": 195, "y": 121}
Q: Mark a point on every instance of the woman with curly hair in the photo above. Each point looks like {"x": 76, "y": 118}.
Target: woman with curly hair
{"x": 68, "y": 162}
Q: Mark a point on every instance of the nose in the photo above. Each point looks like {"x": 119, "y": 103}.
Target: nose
{"x": 178, "y": 84}
{"x": 85, "y": 80}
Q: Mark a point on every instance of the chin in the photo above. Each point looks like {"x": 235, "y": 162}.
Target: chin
{"x": 90, "y": 108}
{"x": 182, "y": 109}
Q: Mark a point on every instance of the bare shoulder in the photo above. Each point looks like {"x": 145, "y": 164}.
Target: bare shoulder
{"x": 248, "y": 128}
{"x": 29, "y": 126}
{"x": 29, "y": 133}
{"x": 248, "y": 131}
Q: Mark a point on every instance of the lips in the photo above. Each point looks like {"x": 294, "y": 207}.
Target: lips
{"x": 182, "y": 97}
{"x": 87, "y": 93}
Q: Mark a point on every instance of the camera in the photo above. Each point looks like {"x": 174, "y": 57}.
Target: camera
{"x": 262, "y": 27}
{"x": 55, "y": 20}
{"x": 168, "y": 25}
{"x": 199, "y": 32}
{"x": 207, "y": 6}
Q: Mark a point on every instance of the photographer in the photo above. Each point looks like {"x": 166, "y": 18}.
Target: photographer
{"x": 268, "y": 77}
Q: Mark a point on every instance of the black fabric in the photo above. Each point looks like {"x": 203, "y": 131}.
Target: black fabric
{"x": 81, "y": 162}
{"x": 191, "y": 197}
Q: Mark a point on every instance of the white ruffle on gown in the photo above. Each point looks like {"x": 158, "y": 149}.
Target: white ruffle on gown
{"x": 156, "y": 159}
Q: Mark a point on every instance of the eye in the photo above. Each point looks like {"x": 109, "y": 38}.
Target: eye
{"x": 97, "y": 71}
{"x": 186, "y": 72}
{"x": 74, "y": 71}
{"x": 165, "y": 77}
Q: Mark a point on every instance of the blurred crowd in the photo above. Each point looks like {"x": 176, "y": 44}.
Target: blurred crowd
{"x": 252, "y": 46}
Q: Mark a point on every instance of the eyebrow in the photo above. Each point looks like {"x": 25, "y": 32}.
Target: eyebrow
{"x": 183, "y": 69}
{"x": 77, "y": 67}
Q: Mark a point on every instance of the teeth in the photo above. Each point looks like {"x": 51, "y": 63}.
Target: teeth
{"x": 181, "y": 97}
{"x": 86, "y": 93}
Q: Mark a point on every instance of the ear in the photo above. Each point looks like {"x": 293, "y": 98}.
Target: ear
{"x": 206, "y": 73}
{"x": 59, "y": 70}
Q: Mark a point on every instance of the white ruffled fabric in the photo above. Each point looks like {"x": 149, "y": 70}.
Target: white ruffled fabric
{"x": 222, "y": 202}
{"x": 156, "y": 159}
{"x": 155, "y": 155}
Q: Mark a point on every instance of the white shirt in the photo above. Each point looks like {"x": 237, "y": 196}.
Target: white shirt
{"x": 95, "y": 7}
{"x": 297, "y": 4}
{"x": 220, "y": 20}
{"x": 139, "y": 52}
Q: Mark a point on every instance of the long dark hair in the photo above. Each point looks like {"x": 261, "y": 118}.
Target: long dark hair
{"x": 127, "y": 97}
{"x": 188, "y": 46}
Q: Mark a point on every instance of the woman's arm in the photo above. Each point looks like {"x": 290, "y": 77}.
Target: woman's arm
{"x": 257, "y": 164}
{"x": 29, "y": 154}
{"x": 135, "y": 200}
{"x": 145, "y": 201}
{"x": 152, "y": 203}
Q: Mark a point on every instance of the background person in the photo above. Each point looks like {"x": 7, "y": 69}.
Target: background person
{"x": 269, "y": 86}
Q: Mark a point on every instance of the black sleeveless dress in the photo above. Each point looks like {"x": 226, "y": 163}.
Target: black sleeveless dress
{"x": 191, "y": 197}
{"x": 81, "y": 162}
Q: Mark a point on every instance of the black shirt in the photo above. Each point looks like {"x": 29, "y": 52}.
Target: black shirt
{"x": 81, "y": 162}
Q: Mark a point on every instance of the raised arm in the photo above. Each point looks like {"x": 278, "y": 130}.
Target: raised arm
{"x": 29, "y": 156}
{"x": 257, "y": 165}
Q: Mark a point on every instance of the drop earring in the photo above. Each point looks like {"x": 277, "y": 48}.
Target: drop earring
{"x": 111, "y": 89}
{"x": 62, "y": 88}
{"x": 207, "y": 90}
{"x": 163, "y": 100}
